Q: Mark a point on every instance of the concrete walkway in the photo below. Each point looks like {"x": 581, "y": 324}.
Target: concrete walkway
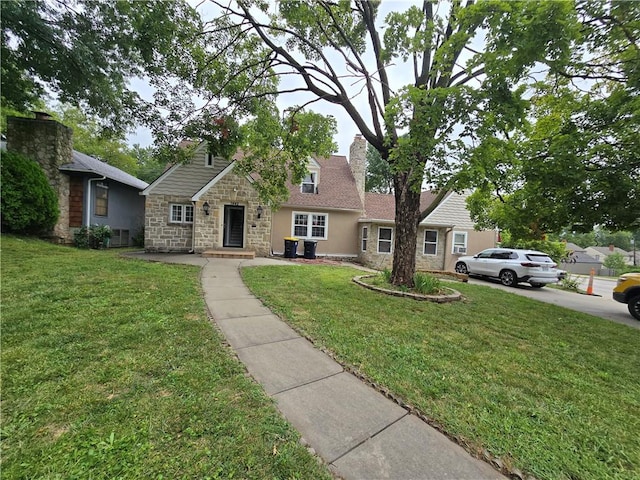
{"x": 358, "y": 432}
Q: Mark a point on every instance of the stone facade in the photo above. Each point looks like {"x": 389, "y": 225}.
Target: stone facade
{"x": 50, "y": 144}
{"x": 358, "y": 163}
{"x": 207, "y": 231}
{"x": 233, "y": 190}
{"x": 371, "y": 258}
{"x": 159, "y": 234}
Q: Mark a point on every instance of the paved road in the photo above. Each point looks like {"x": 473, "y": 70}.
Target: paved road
{"x": 600, "y": 304}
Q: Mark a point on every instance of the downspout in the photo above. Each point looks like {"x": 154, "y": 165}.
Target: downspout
{"x": 88, "y": 224}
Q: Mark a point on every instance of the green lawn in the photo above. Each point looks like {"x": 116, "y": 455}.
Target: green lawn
{"x": 551, "y": 392}
{"x": 111, "y": 369}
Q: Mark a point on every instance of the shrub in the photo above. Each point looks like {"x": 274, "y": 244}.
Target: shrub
{"x": 426, "y": 284}
{"x": 570, "y": 282}
{"x": 29, "y": 203}
{"x": 386, "y": 275}
{"x": 615, "y": 262}
{"x": 96, "y": 236}
{"x": 138, "y": 238}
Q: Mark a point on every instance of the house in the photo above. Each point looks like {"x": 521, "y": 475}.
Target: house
{"x": 89, "y": 191}
{"x": 601, "y": 253}
{"x": 578, "y": 261}
{"x": 203, "y": 206}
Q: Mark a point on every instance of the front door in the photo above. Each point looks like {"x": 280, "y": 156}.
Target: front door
{"x": 233, "y": 226}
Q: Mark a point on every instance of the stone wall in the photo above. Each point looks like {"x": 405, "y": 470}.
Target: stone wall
{"x": 233, "y": 189}
{"x": 358, "y": 163}
{"x": 50, "y": 144}
{"x": 159, "y": 234}
{"x": 379, "y": 261}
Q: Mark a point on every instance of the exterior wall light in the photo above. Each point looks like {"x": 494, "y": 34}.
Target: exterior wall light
{"x": 205, "y": 207}
{"x": 259, "y": 210}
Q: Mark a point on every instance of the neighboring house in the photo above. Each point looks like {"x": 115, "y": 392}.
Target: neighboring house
{"x": 579, "y": 262}
{"x": 601, "y": 253}
{"x": 203, "y": 206}
{"x": 89, "y": 191}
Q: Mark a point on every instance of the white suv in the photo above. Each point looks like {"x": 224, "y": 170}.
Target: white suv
{"x": 511, "y": 266}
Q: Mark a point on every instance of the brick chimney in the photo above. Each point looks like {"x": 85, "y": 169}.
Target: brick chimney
{"x": 358, "y": 163}
{"x": 50, "y": 144}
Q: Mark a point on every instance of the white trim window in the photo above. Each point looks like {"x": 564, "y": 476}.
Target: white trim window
{"x": 430, "y": 242}
{"x": 209, "y": 159}
{"x": 459, "y": 244}
{"x": 310, "y": 183}
{"x": 180, "y": 213}
{"x": 310, "y": 225}
{"x": 365, "y": 237}
{"x": 385, "y": 239}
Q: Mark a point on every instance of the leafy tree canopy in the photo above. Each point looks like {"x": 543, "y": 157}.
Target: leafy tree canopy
{"x": 576, "y": 160}
{"x": 85, "y": 52}
{"x": 379, "y": 178}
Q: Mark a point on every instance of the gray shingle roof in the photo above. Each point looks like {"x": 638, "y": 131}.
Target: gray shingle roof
{"x": 608, "y": 251}
{"x": 573, "y": 247}
{"x": 84, "y": 163}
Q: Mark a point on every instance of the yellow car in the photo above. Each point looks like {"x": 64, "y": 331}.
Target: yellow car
{"x": 628, "y": 291}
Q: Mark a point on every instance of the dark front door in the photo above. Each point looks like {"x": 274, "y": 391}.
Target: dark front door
{"x": 233, "y": 226}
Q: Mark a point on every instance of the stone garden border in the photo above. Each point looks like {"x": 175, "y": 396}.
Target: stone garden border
{"x": 444, "y": 298}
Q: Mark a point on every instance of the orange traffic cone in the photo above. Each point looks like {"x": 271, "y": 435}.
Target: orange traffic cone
{"x": 590, "y": 286}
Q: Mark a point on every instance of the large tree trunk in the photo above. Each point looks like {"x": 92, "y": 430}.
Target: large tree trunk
{"x": 406, "y": 231}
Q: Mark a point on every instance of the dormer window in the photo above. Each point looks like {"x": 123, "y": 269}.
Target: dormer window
{"x": 208, "y": 162}
{"x": 310, "y": 183}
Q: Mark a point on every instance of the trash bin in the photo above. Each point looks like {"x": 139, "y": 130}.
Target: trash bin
{"x": 290, "y": 247}
{"x": 310, "y": 249}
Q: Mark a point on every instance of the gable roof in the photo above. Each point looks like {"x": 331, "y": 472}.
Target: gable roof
{"x": 83, "y": 163}
{"x": 336, "y": 188}
{"x": 192, "y": 178}
{"x": 573, "y": 247}
{"x": 606, "y": 251}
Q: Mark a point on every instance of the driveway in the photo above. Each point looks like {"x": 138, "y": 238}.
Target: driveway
{"x": 601, "y": 304}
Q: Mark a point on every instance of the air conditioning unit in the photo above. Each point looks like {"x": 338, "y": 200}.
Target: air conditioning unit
{"x": 460, "y": 250}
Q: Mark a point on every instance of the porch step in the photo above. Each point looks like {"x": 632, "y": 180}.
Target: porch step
{"x": 229, "y": 253}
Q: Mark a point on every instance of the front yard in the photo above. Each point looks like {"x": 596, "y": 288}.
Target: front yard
{"x": 551, "y": 392}
{"x": 111, "y": 369}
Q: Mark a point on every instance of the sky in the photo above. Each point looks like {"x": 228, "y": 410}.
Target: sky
{"x": 346, "y": 129}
